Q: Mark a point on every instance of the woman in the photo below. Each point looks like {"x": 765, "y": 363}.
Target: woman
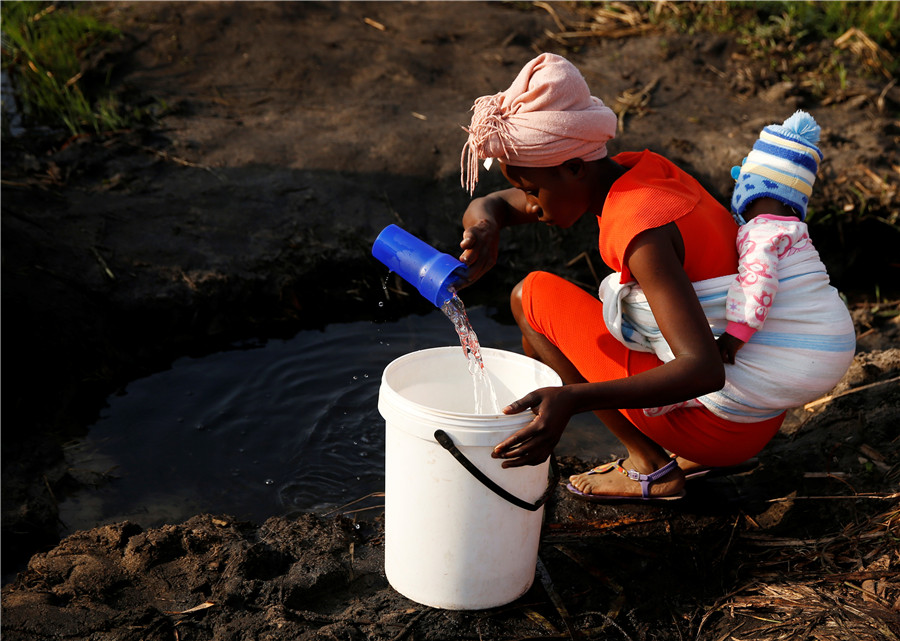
{"x": 660, "y": 231}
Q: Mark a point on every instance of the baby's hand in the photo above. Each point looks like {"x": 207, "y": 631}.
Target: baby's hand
{"x": 729, "y": 347}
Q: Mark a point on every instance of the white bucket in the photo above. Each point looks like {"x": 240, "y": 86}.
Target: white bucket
{"x": 450, "y": 541}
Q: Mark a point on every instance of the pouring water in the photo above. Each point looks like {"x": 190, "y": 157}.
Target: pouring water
{"x": 485, "y": 396}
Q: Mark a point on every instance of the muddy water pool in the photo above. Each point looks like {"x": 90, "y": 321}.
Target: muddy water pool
{"x": 266, "y": 428}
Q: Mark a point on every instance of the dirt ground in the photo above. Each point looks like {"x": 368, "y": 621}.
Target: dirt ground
{"x": 289, "y": 134}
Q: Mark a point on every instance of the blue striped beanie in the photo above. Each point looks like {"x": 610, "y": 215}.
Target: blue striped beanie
{"x": 782, "y": 165}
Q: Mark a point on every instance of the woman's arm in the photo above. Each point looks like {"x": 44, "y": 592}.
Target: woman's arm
{"x": 697, "y": 369}
{"x": 482, "y": 222}
{"x": 655, "y": 261}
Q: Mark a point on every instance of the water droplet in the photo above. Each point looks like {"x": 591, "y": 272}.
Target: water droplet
{"x": 380, "y": 304}
{"x": 270, "y": 482}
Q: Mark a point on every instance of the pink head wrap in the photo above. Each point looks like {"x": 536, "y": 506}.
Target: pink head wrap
{"x": 546, "y": 117}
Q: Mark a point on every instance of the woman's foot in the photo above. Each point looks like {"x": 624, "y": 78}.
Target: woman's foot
{"x": 622, "y": 479}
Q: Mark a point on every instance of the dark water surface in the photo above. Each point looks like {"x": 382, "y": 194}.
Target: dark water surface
{"x": 265, "y": 429}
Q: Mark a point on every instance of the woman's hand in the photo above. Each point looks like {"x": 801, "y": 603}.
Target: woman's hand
{"x": 480, "y": 245}
{"x": 482, "y": 222}
{"x": 535, "y": 442}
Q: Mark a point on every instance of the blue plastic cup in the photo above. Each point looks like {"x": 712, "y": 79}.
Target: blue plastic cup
{"x": 432, "y": 272}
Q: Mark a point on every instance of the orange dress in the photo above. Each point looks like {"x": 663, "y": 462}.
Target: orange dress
{"x": 653, "y": 192}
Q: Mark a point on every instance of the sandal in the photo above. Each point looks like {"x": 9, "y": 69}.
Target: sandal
{"x": 644, "y": 479}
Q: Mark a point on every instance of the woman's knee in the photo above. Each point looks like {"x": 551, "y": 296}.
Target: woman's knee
{"x": 517, "y": 305}
{"x": 515, "y": 300}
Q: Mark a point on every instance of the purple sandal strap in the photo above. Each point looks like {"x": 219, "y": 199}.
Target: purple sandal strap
{"x": 646, "y": 479}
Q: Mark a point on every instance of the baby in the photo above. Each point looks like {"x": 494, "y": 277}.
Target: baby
{"x": 769, "y": 202}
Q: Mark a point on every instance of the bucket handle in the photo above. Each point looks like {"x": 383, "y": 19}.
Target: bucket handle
{"x": 447, "y": 443}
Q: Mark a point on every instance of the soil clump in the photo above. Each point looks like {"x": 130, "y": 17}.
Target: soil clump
{"x": 287, "y": 136}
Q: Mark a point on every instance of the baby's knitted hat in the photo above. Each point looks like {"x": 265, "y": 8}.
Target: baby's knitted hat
{"x": 782, "y": 165}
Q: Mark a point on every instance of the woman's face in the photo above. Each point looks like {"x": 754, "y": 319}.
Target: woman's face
{"x": 555, "y": 195}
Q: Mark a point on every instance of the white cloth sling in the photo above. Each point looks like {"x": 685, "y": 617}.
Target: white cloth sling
{"x": 803, "y": 350}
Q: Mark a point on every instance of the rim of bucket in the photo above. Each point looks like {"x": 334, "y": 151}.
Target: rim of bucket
{"x": 499, "y": 353}
{"x": 483, "y": 426}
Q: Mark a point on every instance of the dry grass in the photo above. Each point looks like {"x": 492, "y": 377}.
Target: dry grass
{"x": 778, "y": 38}
{"x": 840, "y": 587}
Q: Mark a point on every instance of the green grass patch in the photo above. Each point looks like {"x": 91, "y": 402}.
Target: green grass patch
{"x": 789, "y": 36}
{"x": 780, "y": 30}
{"x": 878, "y": 20}
{"x": 48, "y": 51}
{"x": 808, "y": 19}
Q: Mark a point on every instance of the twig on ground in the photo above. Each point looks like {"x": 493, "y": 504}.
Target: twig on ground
{"x": 375, "y": 24}
{"x": 636, "y": 100}
{"x": 178, "y": 160}
{"x": 861, "y": 495}
{"x": 409, "y": 626}
{"x": 102, "y": 263}
{"x": 196, "y": 608}
{"x": 826, "y": 399}
{"x": 556, "y": 599}
{"x": 354, "y": 502}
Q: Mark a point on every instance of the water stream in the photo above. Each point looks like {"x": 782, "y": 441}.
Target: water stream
{"x": 485, "y": 396}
